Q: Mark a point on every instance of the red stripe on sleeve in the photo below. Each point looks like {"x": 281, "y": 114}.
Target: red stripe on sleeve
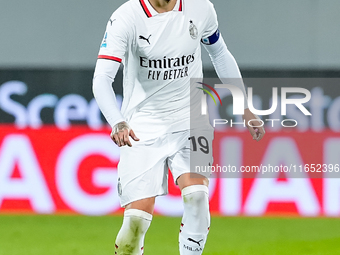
{"x": 110, "y": 58}
{"x": 180, "y": 6}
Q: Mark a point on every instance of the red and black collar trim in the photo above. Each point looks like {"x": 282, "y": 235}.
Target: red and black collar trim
{"x": 147, "y": 11}
{"x": 145, "y": 8}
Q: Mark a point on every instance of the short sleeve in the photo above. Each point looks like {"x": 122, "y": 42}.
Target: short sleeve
{"x": 116, "y": 38}
{"x": 211, "y": 23}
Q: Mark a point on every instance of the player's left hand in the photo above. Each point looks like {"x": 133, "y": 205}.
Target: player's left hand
{"x": 250, "y": 118}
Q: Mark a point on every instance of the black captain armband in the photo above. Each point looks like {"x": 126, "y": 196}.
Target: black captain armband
{"x": 211, "y": 39}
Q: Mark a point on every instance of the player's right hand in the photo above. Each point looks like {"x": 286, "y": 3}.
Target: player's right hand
{"x": 120, "y": 134}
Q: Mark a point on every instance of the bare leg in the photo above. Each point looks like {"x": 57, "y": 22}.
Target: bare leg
{"x": 189, "y": 179}
{"x": 146, "y": 205}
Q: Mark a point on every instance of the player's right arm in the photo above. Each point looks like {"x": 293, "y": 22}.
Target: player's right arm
{"x": 112, "y": 52}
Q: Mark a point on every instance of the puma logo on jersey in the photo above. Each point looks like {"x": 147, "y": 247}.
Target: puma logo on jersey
{"x": 194, "y": 241}
{"x": 146, "y": 39}
{"x": 112, "y": 21}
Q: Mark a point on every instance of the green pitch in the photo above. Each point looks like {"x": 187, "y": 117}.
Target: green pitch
{"x": 80, "y": 235}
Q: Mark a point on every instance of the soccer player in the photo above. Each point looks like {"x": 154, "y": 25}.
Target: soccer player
{"x": 159, "y": 44}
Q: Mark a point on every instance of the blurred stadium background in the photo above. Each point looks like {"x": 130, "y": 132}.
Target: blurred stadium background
{"x": 56, "y": 157}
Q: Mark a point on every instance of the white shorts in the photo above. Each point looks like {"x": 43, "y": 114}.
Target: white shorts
{"x": 143, "y": 168}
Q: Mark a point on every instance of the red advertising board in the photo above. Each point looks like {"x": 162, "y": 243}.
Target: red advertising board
{"x": 49, "y": 170}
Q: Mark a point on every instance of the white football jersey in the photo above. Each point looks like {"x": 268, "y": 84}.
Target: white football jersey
{"x": 160, "y": 53}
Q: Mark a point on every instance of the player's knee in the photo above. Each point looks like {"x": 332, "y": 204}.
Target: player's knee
{"x": 131, "y": 235}
{"x": 138, "y": 221}
{"x": 196, "y": 197}
{"x": 195, "y": 194}
{"x": 137, "y": 226}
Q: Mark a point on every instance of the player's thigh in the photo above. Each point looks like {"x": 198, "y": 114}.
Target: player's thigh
{"x": 141, "y": 174}
{"x": 193, "y": 157}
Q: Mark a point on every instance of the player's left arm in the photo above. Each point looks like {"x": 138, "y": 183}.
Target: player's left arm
{"x": 226, "y": 68}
